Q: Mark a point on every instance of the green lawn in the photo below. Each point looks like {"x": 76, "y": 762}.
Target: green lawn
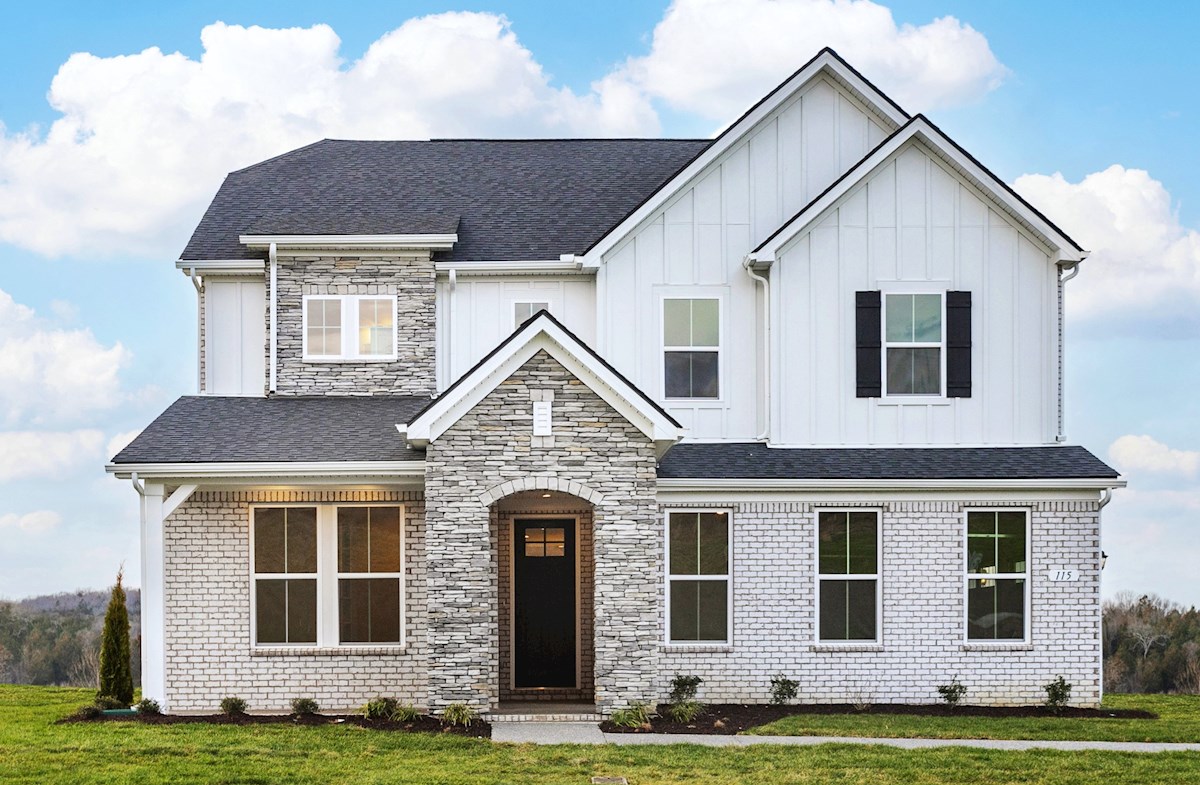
{"x": 34, "y": 750}
{"x": 1179, "y": 720}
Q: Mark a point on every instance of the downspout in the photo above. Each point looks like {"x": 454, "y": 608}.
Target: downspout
{"x": 1105, "y": 498}
{"x": 274, "y": 279}
{"x": 747, "y": 265}
{"x": 199, "y": 327}
{"x": 1071, "y": 269}
{"x": 141, "y": 492}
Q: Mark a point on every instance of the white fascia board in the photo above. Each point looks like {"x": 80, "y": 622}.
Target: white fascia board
{"x": 395, "y": 470}
{"x": 694, "y": 485}
{"x": 825, "y": 62}
{"x": 541, "y": 334}
{"x": 221, "y": 266}
{"x": 921, "y": 130}
{"x": 520, "y": 267}
{"x": 438, "y": 242}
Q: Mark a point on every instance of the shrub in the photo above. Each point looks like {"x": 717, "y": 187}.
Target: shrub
{"x": 783, "y": 690}
{"x": 405, "y": 713}
{"x": 634, "y": 716}
{"x": 953, "y": 692}
{"x": 116, "y": 674}
{"x": 148, "y": 706}
{"x": 105, "y": 702}
{"x": 1058, "y": 694}
{"x": 88, "y": 712}
{"x": 684, "y": 711}
{"x": 460, "y": 714}
{"x": 683, "y": 688}
{"x": 380, "y": 709}
{"x": 305, "y": 706}
{"x": 861, "y": 702}
{"x": 233, "y": 706}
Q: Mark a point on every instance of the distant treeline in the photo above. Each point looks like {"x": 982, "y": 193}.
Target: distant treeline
{"x": 55, "y": 639}
{"x": 1151, "y": 645}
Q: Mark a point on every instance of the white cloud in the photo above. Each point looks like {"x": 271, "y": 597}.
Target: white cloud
{"x": 1144, "y": 453}
{"x": 1145, "y": 266}
{"x": 119, "y": 442}
{"x": 715, "y": 58}
{"x": 49, "y": 374}
{"x": 31, "y": 522}
{"x": 28, "y": 455}
{"x": 145, "y": 139}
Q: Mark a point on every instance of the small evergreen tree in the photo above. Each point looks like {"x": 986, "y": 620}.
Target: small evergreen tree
{"x": 116, "y": 677}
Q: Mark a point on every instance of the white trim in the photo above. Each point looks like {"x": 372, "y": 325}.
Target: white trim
{"x": 668, "y": 577}
{"x": 761, "y": 484}
{"x": 249, "y": 267}
{"x": 542, "y": 334}
{"x": 921, "y": 130}
{"x": 512, "y": 600}
{"x": 439, "y": 242}
{"x": 154, "y": 626}
{"x": 663, "y": 297}
{"x": 181, "y": 494}
{"x": 824, "y": 62}
{"x": 515, "y": 267}
{"x": 1027, "y": 576}
{"x": 351, "y": 324}
{"x": 818, "y": 577}
{"x": 390, "y": 470}
{"x": 326, "y": 577}
{"x": 885, "y": 344}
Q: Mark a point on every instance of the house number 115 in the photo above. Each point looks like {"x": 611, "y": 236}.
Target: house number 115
{"x": 1063, "y": 575}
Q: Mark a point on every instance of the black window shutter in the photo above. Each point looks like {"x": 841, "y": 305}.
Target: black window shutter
{"x": 868, "y": 327}
{"x": 958, "y": 344}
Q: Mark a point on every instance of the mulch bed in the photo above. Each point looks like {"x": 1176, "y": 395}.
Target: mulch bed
{"x": 423, "y": 724}
{"x": 729, "y": 719}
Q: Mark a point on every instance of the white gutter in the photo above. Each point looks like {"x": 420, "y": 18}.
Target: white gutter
{"x": 725, "y": 484}
{"x": 1072, "y": 270}
{"x": 390, "y": 470}
{"x": 766, "y": 287}
{"x": 274, "y": 280}
{"x": 388, "y": 241}
{"x": 566, "y": 264}
{"x": 221, "y": 266}
{"x": 199, "y": 328}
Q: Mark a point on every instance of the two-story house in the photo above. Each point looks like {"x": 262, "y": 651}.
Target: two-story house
{"x": 493, "y": 420}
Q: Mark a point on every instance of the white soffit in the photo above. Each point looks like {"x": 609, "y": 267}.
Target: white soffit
{"x": 436, "y": 242}
{"x": 542, "y": 333}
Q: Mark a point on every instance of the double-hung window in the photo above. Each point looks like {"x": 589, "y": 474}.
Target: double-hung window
{"x": 691, "y": 347}
{"x": 913, "y": 338}
{"x": 997, "y": 575}
{"x": 848, "y": 588}
{"x": 349, "y": 327}
{"x": 698, "y": 576}
{"x": 328, "y": 575}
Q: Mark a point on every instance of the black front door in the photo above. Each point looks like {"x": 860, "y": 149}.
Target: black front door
{"x": 544, "y": 602}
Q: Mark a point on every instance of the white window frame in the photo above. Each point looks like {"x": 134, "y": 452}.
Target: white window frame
{"x": 877, "y": 576}
{"x": 349, "y": 353}
{"x": 885, "y": 344}
{"x": 545, "y": 305}
{"x": 969, "y": 576}
{"x": 668, "y": 578}
{"x": 664, "y": 347}
{"x": 328, "y": 631}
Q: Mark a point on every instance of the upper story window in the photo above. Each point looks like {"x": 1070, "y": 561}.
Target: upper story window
{"x": 691, "y": 347}
{"x": 350, "y": 327}
{"x": 524, "y": 311}
{"x": 913, "y": 344}
{"x": 997, "y": 573}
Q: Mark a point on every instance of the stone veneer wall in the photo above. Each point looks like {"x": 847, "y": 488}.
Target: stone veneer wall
{"x": 502, "y": 532}
{"x": 492, "y": 445}
{"x": 922, "y": 619}
{"x": 410, "y": 278}
{"x": 208, "y": 650}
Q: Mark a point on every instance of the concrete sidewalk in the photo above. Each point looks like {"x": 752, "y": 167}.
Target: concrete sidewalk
{"x": 589, "y": 733}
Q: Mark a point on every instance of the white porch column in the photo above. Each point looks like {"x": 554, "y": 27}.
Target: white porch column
{"x": 154, "y": 652}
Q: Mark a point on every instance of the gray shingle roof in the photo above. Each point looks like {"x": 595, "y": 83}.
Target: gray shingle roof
{"x": 509, "y": 200}
{"x": 739, "y": 461}
{"x": 203, "y": 429}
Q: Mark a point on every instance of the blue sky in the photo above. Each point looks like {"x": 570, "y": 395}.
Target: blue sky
{"x": 104, "y": 171}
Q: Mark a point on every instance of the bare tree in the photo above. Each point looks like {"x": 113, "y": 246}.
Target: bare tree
{"x": 5, "y": 665}
{"x": 1188, "y": 680}
{"x": 85, "y": 671}
{"x": 1147, "y": 636}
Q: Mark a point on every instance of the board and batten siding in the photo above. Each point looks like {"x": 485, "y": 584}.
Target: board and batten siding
{"x": 476, "y": 314}
{"x": 913, "y": 225}
{"x": 234, "y": 336}
{"x": 695, "y": 244}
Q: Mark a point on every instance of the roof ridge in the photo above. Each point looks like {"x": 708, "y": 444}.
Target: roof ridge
{"x": 278, "y": 157}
